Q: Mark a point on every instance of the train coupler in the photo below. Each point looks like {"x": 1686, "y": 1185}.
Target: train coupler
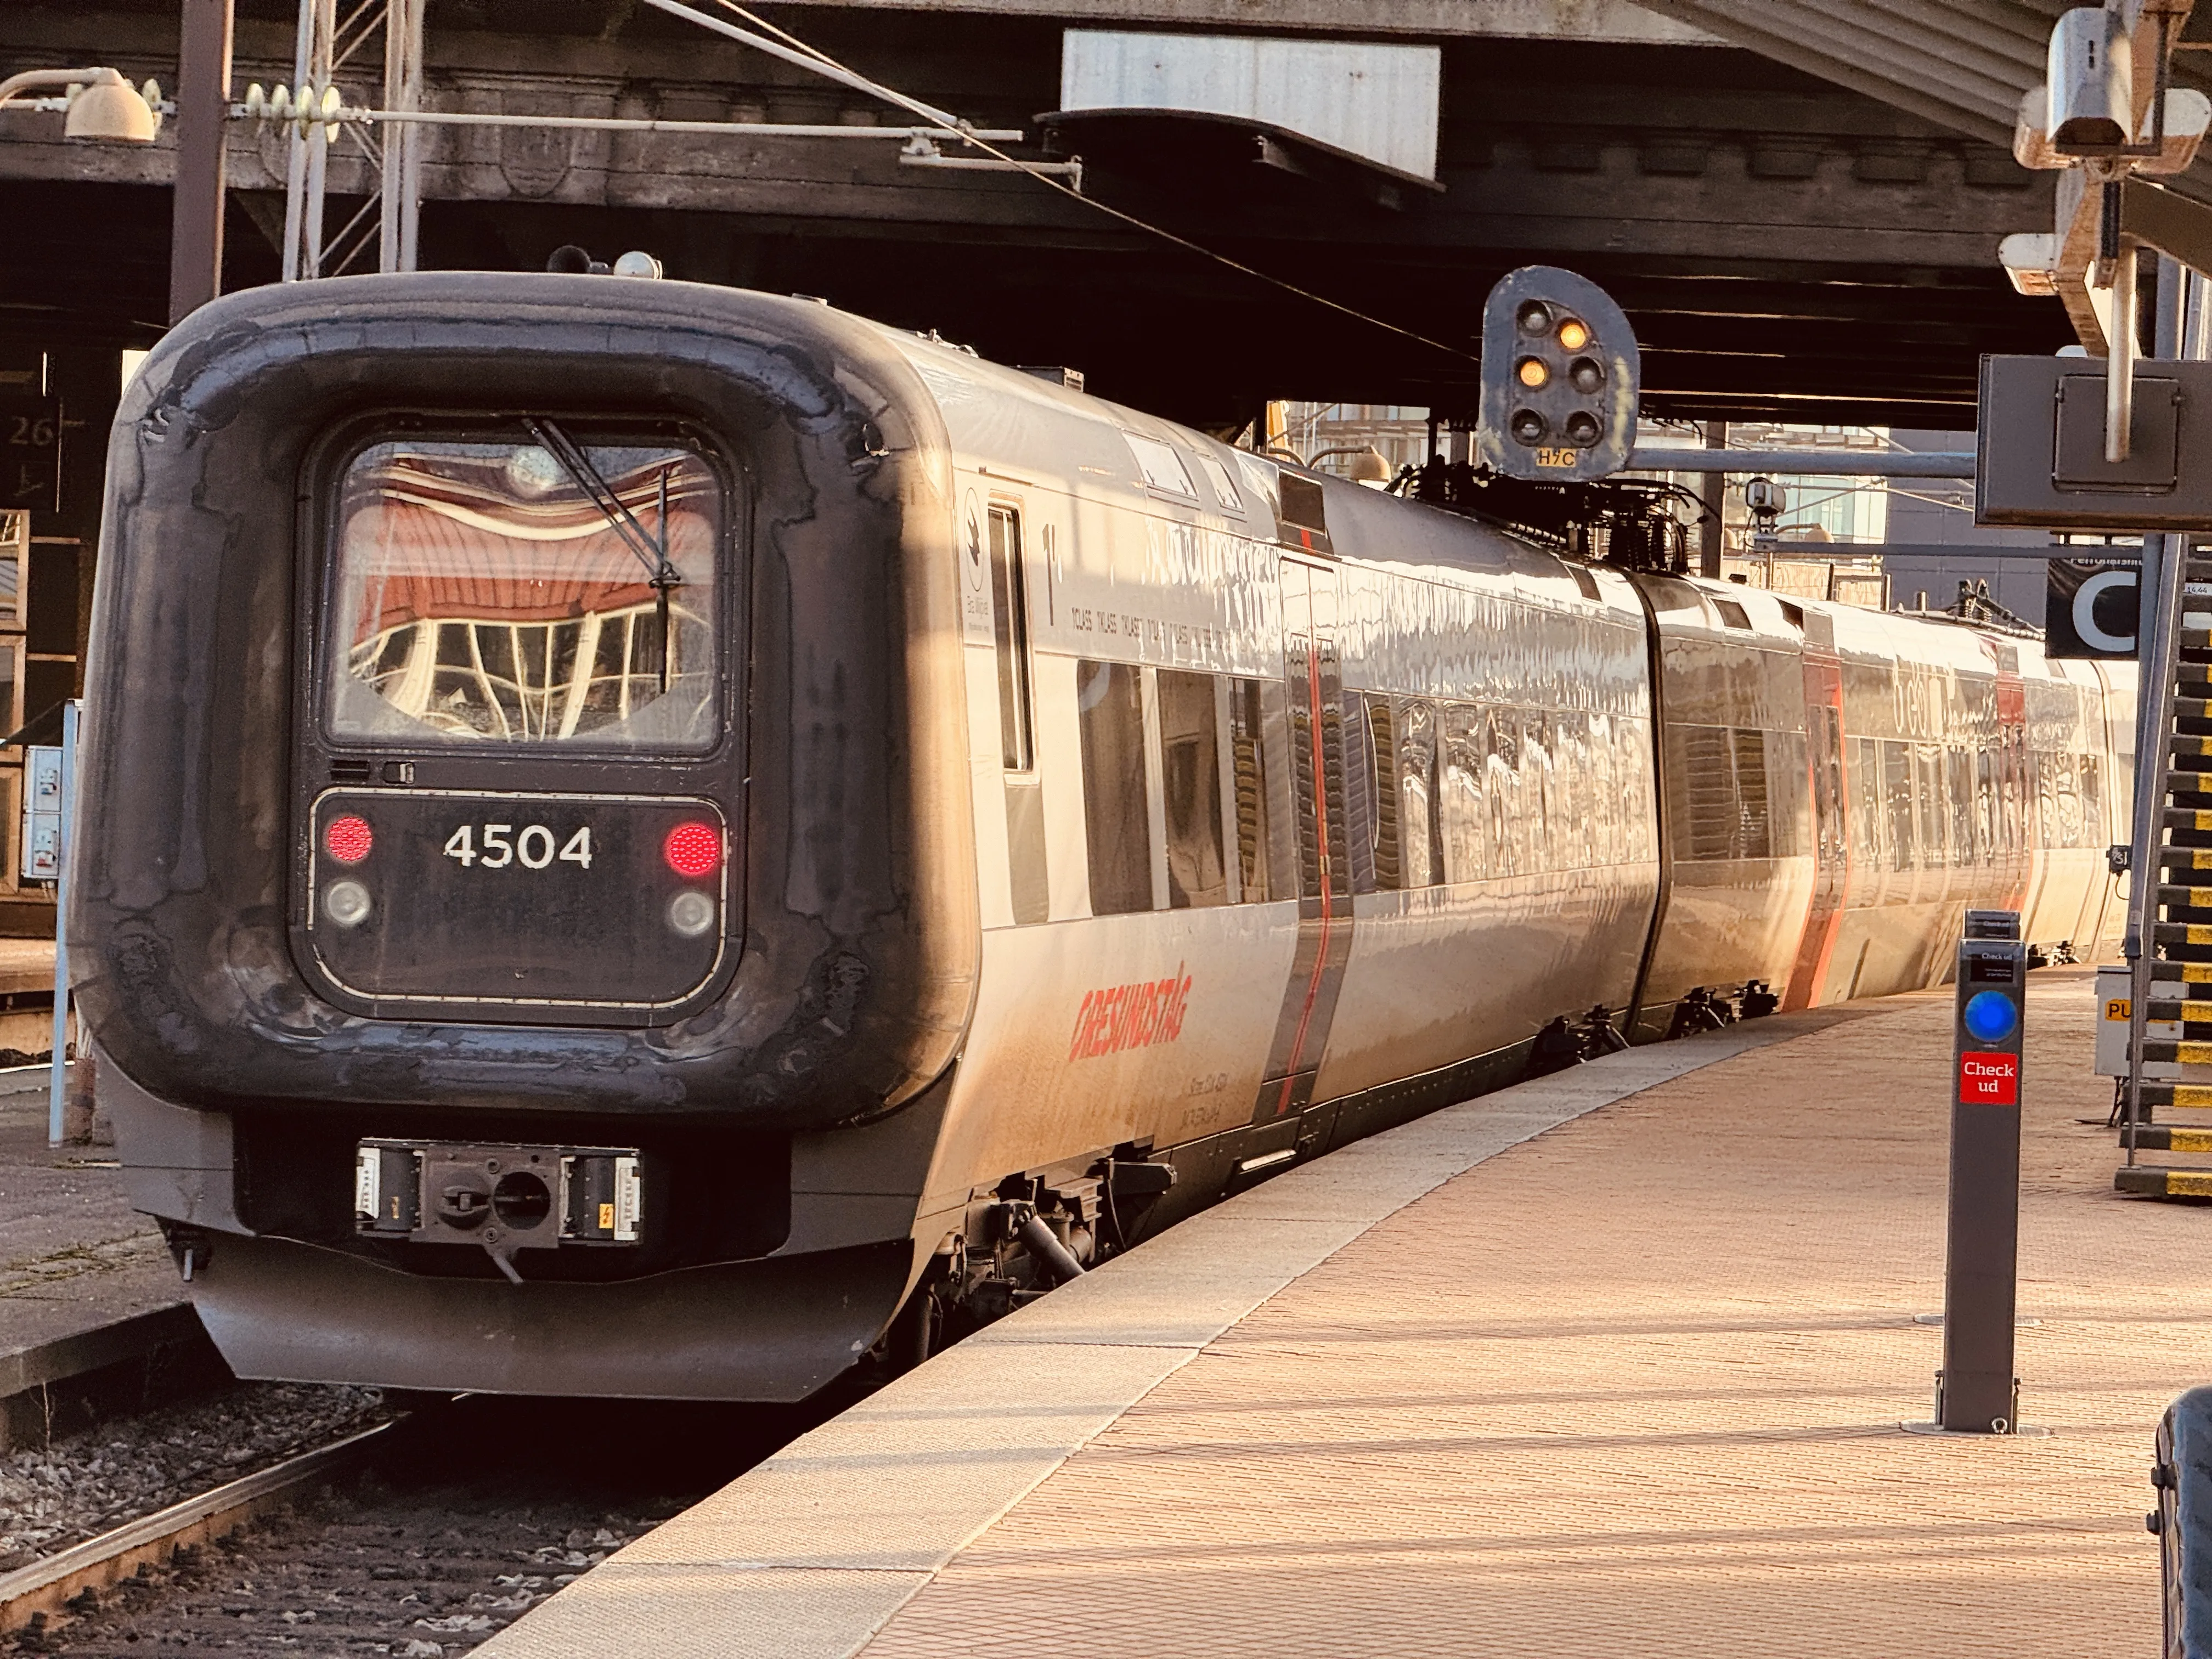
{"x": 506, "y": 1198}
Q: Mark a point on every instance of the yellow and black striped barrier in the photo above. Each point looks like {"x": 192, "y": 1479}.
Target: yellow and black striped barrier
{"x": 2178, "y": 1097}
{"x": 2144, "y": 1181}
{"x": 2168, "y": 1138}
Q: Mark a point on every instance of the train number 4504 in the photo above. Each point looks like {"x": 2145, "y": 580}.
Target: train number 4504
{"x": 495, "y": 846}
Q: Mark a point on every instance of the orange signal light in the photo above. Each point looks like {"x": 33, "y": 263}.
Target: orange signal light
{"x": 1574, "y": 334}
{"x": 1531, "y": 372}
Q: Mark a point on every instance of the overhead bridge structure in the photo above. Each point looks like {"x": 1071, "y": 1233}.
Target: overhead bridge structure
{"x": 1800, "y": 223}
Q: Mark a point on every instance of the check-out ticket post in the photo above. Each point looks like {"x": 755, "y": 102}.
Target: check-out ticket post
{"x": 1977, "y": 1391}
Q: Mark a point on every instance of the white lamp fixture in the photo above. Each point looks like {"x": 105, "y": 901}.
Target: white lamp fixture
{"x": 103, "y": 107}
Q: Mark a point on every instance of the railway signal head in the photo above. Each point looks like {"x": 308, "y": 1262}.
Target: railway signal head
{"x": 1559, "y": 378}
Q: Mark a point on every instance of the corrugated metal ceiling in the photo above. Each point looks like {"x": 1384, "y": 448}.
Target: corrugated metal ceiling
{"x": 1961, "y": 64}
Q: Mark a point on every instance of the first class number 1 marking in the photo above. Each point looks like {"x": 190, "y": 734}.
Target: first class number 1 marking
{"x": 495, "y": 846}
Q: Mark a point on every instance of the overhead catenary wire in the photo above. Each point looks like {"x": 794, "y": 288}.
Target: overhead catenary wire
{"x": 790, "y": 49}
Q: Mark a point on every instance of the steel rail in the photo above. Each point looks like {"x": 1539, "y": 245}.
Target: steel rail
{"x": 47, "y": 1587}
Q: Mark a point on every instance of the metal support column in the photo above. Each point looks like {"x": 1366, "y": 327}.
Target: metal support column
{"x": 202, "y": 115}
{"x": 1713, "y": 486}
{"x": 308, "y": 145}
{"x": 402, "y": 164}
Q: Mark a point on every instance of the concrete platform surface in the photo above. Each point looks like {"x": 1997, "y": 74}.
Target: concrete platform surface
{"x": 1609, "y": 1364}
{"x": 75, "y": 1260}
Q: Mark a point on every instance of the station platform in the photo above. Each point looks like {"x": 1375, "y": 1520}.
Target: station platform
{"x": 92, "y": 1315}
{"x": 1613, "y": 1361}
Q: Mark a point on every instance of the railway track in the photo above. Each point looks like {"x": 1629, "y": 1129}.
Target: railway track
{"x": 31, "y": 1597}
{"x": 418, "y": 1539}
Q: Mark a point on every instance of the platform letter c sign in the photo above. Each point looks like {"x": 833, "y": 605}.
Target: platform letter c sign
{"x": 2085, "y": 613}
{"x": 2090, "y": 608}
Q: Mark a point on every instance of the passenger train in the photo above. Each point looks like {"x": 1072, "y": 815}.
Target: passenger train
{"x": 653, "y": 840}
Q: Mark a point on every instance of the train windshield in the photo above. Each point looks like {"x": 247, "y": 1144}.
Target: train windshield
{"x": 550, "y": 591}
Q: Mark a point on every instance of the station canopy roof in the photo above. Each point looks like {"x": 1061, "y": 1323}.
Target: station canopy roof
{"x": 1962, "y": 64}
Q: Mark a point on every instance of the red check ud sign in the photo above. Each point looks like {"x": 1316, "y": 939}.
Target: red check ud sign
{"x": 1989, "y": 1080}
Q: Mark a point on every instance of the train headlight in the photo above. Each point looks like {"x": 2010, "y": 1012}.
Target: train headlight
{"x": 347, "y": 904}
{"x": 691, "y": 914}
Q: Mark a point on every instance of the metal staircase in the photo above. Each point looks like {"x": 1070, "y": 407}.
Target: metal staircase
{"x": 2171, "y": 1022}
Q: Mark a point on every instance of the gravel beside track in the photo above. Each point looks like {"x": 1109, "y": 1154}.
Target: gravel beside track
{"x": 61, "y": 1494}
{"x": 475, "y": 1513}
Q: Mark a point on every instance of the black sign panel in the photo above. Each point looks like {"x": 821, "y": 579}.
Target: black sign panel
{"x": 2040, "y": 447}
{"x": 30, "y": 451}
{"x": 2090, "y": 608}
{"x": 421, "y": 898}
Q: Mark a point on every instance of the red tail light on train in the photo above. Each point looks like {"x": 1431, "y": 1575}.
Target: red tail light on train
{"x": 693, "y": 849}
{"x": 347, "y": 839}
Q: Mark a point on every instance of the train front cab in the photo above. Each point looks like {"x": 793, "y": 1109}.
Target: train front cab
{"x": 527, "y": 858}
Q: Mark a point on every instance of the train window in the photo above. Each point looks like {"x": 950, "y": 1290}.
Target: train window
{"x": 1706, "y": 774}
{"x": 1584, "y": 581}
{"x": 1303, "y": 512}
{"x": 1160, "y": 465}
{"x": 482, "y": 595}
{"x": 1960, "y": 763}
{"x": 1349, "y": 734}
{"x": 1928, "y": 788}
{"x": 1754, "y": 813}
{"x": 2093, "y": 802}
{"x": 1117, "y": 819}
{"x": 1225, "y": 486}
{"x": 1247, "y": 761}
{"x": 1010, "y": 630}
{"x": 2065, "y": 785}
{"x": 1190, "y": 777}
{"x": 1828, "y": 824}
{"x": 1724, "y": 810}
{"x": 1462, "y": 812}
{"x": 1897, "y": 803}
{"x": 1501, "y": 789}
{"x": 1419, "y": 839}
{"x": 1732, "y": 614}
{"x": 1382, "y": 770}
{"x": 1863, "y": 779}
{"x": 1539, "y": 750}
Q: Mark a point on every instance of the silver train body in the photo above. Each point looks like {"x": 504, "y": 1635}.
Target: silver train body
{"x": 1238, "y": 813}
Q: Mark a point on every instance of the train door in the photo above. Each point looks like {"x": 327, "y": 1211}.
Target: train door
{"x": 1824, "y": 749}
{"x": 1028, "y": 882}
{"x": 1316, "y": 686}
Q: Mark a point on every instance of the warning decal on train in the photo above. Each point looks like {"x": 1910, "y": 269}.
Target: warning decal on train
{"x": 1130, "y": 1016}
